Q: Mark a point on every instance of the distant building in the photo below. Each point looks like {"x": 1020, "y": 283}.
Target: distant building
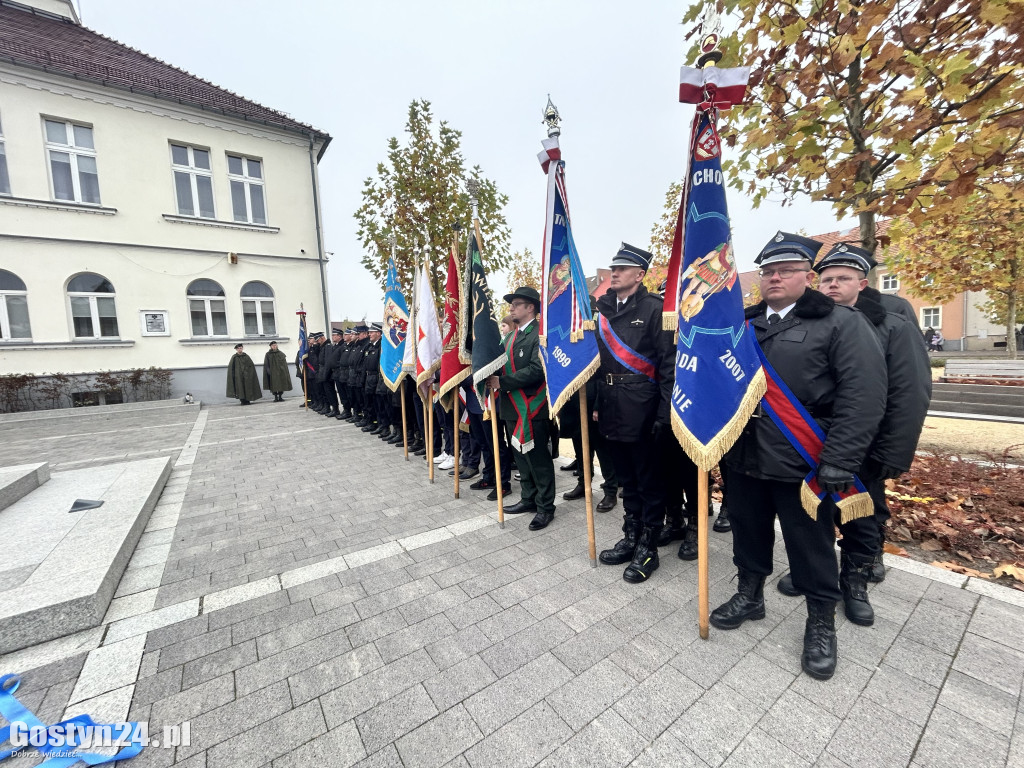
{"x": 147, "y": 217}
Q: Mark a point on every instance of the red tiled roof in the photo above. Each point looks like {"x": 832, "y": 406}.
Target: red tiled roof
{"x": 852, "y": 236}
{"x": 61, "y": 47}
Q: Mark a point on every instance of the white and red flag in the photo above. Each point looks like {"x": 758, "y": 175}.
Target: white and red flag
{"x": 428, "y": 332}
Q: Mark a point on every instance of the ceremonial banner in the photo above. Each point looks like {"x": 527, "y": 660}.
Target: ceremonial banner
{"x": 428, "y": 332}
{"x": 568, "y": 348}
{"x": 303, "y": 341}
{"x": 718, "y": 380}
{"x": 483, "y": 339}
{"x": 396, "y": 330}
{"x": 454, "y": 366}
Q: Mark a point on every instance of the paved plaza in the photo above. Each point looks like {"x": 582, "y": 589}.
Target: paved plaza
{"x": 303, "y": 596}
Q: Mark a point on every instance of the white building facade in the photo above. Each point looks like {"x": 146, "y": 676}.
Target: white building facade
{"x": 147, "y": 217}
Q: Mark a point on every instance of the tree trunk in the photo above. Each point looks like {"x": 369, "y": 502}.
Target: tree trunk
{"x": 868, "y": 241}
{"x": 1011, "y": 324}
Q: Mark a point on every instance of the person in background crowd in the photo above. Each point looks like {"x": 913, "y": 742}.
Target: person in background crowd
{"x": 276, "y": 378}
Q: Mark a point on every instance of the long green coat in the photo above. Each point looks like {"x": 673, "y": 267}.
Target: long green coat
{"x": 243, "y": 384}
{"x": 276, "y": 376}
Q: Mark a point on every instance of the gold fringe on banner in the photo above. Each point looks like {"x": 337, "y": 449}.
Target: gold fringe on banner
{"x": 707, "y": 456}
{"x": 856, "y": 506}
{"x": 572, "y": 388}
{"x": 589, "y": 325}
{"x": 669, "y": 321}
{"x": 543, "y": 340}
{"x": 809, "y": 500}
{"x": 448, "y": 386}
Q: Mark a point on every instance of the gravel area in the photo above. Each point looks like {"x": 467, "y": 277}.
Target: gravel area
{"x": 969, "y": 437}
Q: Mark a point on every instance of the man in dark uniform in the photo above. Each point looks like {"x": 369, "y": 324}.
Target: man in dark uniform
{"x": 843, "y": 278}
{"x": 328, "y": 369}
{"x": 570, "y": 427}
{"x": 355, "y": 374}
{"x": 524, "y": 408}
{"x": 371, "y": 377}
{"x": 312, "y": 371}
{"x": 830, "y": 359}
{"x": 634, "y": 386}
{"x": 342, "y": 375}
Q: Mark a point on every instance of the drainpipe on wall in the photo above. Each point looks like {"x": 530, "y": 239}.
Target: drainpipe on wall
{"x": 963, "y": 326}
{"x": 319, "y": 236}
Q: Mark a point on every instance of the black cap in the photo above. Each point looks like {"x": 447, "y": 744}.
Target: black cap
{"x": 361, "y": 328}
{"x": 349, "y": 332}
{"x": 269, "y": 345}
{"x": 378, "y": 327}
{"x": 336, "y": 332}
{"x": 238, "y": 346}
{"x": 846, "y": 255}
{"x": 631, "y": 256}
{"x": 786, "y": 246}
{"x": 525, "y": 292}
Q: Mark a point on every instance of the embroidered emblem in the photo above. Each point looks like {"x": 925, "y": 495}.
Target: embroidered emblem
{"x": 842, "y": 248}
{"x": 779, "y": 238}
{"x": 638, "y": 321}
{"x": 520, "y": 353}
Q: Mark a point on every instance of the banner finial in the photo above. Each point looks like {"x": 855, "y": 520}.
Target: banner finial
{"x": 552, "y": 119}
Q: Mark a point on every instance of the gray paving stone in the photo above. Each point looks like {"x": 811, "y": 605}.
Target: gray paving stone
{"x": 458, "y": 647}
{"x": 472, "y": 611}
{"x": 609, "y": 736}
{"x": 860, "y": 741}
{"x": 920, "y": 661}
{"x": 333, "y": 673}
{"x": 523, "y": 742}
{"x": 236, "y": 717}
{"x": 519, "y": 649}
{"x": 985, "y": 704}
{"x": 386, "y": 758}
{"x": 588, "y": 695}
{"x": 335, "y": 598}
{"x": 658, "y": 701}
{"x": 431, "y": 605}
{"x": 176, "y": 654}
{"x": 706, "y": 661}
{"x": 262, "y": 624}
{"x": 440, "y": 740}
{"x": 271, "y": 739}
{"x": 840, "y": 693}
{"x": 936, "y": 626}
{"x": 338, "y": 748}
{"x": 503, "y": 700}
{"x": 369, "y": 690}
{"x": 951, "y": 597}
{"x": 583, "y": 650}
{"x": 410, "y": 639}
{"x": 458, "y": 682}
{"x": 287, "y": 663}
{"x": 758, "y": 748}
{"x": 667, "y": 750}
{"x": 302, "y": 630}
{"x": 991, "y": 662}
{"x": 219, "y": 663}
{"x": 368, "y": 630}
{"x": 642, "y": 656}
{"x": 394, "y": 597}
{"x": 800, "y": 724}
{"x": 759, "y": 680}
{"x": 901, "y": 694}
{"x": 999, "y": 622}
{"x": 391, "y": 719}
{"x": 193, "y": 702}
{"x": 311, "y": 589}
{"x": 867, "y": 646}
{"x": 158, "y": 686}
{"x": 952, "y": 740}
{"x": 716, "y": 723}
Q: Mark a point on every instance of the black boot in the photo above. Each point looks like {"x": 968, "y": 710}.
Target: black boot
{"x": 608, "y": 503}
{"x": 747, "y": 603}
{"x": 722, "y": 524}
{"x": 820, "y": 645}
{"x": 333, "y": 413}
{"x": 369, "y": 426}
{"x": 576, "y": 493}
{"x": 346, "y": 414}
{"x": 625, "y": 547}
{"x": 853, "y": 581}
{"x": 877, "y": 570}
{"x": 688, "y": 549}
{"x": 645, "y": 557}
{"x": 786, "y": 587}
{"x": 674, "y": 528}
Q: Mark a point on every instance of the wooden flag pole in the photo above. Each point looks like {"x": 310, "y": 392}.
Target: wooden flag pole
{"x": 455, "y": 438}
{"x": 405, "y": 428}
{"x": 702, "y": 552}
{"x": 497, "y": 460}
{"x": 588, "y": 474}
{"x": 430, "y": 430}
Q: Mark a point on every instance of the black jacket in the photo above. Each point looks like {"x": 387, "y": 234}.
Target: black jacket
{"x": 898, "y": 305}
{"x": 355, "y": 364}
{"x": 833, "y": 363}
{"x": 330, "y": 358}
{"x": 628, "y": 410}
{"x": 909, "y": 383}
{"x": 371, "y": 367}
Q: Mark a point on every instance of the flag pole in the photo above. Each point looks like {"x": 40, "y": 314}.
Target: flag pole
{"x": 405, "y": 428}
{"x": 430, "y": 430}
{"x": 588, "y": 474}
{"x": 455, "y": 439}
{"x": 702, "y": 553}
{"x": 305, "y": 392}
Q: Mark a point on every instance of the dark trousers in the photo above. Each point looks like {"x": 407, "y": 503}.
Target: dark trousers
{"x": 483, "y": 437}
{"x": 637, "y": 469}
{"x": 753, "y": 506}
{"x": 369, "y": 405}
{"x": 443, "y": 420}
{"x": 680, "y": 475}
{"x": 864, "y": 537}
{"x": 384, "y": 415}
{"x": 610, "y": 484}
{"x": 536, "y": 469}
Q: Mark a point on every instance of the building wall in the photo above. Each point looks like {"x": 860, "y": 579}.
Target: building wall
{"x": 136, "y": 239}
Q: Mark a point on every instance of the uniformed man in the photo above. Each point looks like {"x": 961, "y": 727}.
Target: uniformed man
{"x": 523, "y": 407}
{"x": 371, "y": 377}
{"x": 843, "y": 278}
{"x": 833, "y": 364}
{"x": 312, "y": 369}
{"x": 342, "y": 374}
{"x": 355, "y": 374}
{"x": 275, "y": 373}
{"x": 328, "y": 367}
{"x": 242, "y": 383}
{"x": 634, "y": 387}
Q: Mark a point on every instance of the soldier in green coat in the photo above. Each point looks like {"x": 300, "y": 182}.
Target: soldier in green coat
{"x": 243, "y": 384}
{"x": 276, "y": 376}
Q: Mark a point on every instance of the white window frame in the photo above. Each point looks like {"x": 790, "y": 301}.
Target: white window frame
{"x": 206, "y": 300}
{"x": 5, "y": 320}
{"x": 259, "y": 301}
{"x": 937, "y": 310}
{"x": 4, "y": 170}
{"x": 889, "y": 277}
{"x": 94, "y": 312}
{"x": 248, "y": 182}
{"x": 192, "y": 171}
{"x": 74, "y": 152}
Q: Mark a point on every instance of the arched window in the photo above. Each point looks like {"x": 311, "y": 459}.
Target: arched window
{"x": 93, "y": 314}
{"x": 13, "y": 307}
{"x": 206, "y": 308}
{"x": 258, "y": 309}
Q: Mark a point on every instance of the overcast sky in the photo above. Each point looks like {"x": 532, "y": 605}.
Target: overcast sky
{"x": 352, "y": 68}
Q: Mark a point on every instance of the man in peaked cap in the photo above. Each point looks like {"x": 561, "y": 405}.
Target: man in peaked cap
{"x": 313, "y": 360}
{"x": 843, "y": 278}
{"x": 356, "y": 377}
{"x": 524, "y": 408}
{"x": 371, "y": 377}
{"x": 329, "y": 366}
{"x": 634, "y": 387}
{"x": 832, "y": 362}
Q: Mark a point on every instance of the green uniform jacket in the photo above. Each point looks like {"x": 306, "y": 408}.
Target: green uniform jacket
{"x": 276, "y": 376}
{"x": 529, "y": 376}
{"x": 243, "y": 384}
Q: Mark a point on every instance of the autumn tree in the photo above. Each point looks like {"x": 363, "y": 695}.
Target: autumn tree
{"x": 975, "y": 247}
{"x": 662, "y": 234}
{"x": 876, "y": 106}
{"x": 525, "y": 270}
{"x": 418, "y": 195}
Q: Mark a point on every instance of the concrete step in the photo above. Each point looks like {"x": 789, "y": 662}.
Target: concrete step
{"x": 978, "y": 389}
{"x": 60, "y": 568}
{"x": 969, "y": 397}
{"x": 20, "y": 480}
{"x": 96, "y": 410}
{"x": 980, "y": 408}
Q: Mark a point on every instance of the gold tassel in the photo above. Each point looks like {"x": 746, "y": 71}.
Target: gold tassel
{"x": 856, "y": 506}
{"x": 669, "y": 321}
{"x": 589, "y": 325}
{"x": 809, "y": 501}
{"x": 574, "y": 387}
{"x": 544, "y": 341}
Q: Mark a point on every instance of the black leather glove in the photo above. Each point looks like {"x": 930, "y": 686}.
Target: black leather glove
{"x": 659, "y": 430}
{"x": 833, "y": 479}
{"x": 888, "y": 472}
